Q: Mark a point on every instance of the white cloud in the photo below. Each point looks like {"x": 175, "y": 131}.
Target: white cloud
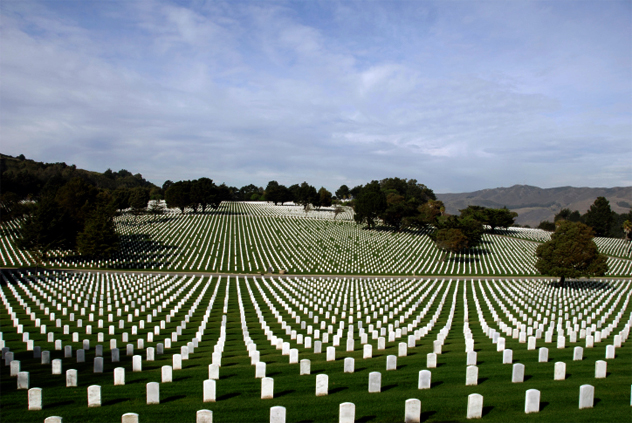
{"x": 461, "y": 96}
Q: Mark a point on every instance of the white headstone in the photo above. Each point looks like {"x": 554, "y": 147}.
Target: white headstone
{"x": 375, "y": 382}
{"x": 532, "y": 401}
{"x": 471, "y": 376}
{"x": 204, "y": 416}
{"x": 412, "y": 411}
{"x": 367, "y": 351}
{"x": 431, "y": 360}
{"x": 23, "y": 380}
{"x": 331, "y": 353}
{"x": 209, "y": 390}
{"x": 471, "y": 358}
{"x": 137, "y": 363}
{"x": 609, "y": 352}
{"x": 517, "y": 374}
{"x": 57, "y": 366}
{"x": 543, "y": 355}
{"x": 391, "y": 362}
{"x": 153, "y": 393}
{"x": 322, "y": 385}
{"x": 578, "y": 354}
{"x": 425, "y": 379}
{"x": 277, "y": 414}
{"x": 71, "y": 378}
{"x": 560, "y": 371}
{"x": 177, "y": 361}
{"x": 267, "y": 388}
{"x": 94, "y": 396}
{"x": 474, "y": 406}
{"x": 167, "y": 374}
{"x": 586, "y": 396}
{"x": 507, "y": 356}
{"x": 35, "y": 399}
{"x": 119, "y": 376}
{"x": 129, "y": 418}
{"x": 260, "y": 370}
{"x": 349, "y": 365}
{"x": 601, "y": 367}
{"x": 213, "y": 371}
{"x": 347, "y": 413}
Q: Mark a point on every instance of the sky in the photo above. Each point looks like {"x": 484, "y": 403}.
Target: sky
{"x": 459, "y": 95}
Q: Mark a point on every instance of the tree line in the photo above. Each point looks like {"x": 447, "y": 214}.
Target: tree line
{"x": 600, "y": 217}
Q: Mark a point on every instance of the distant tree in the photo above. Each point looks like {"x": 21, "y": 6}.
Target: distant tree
{"x": 120, "y": 198}
{"x": 247, "y": 191}
{"x": 397, "y": 210}
{"x": 599, "y": 216}
{"x": 343, "y": 192}
{"x": 277, "y": 193}
{"x": 493, "y": 218}
{"x": 179, "y": 195}
{"x": 139, "y": 198}
{"x": 455, "y": 234}
{"x": 307, "y": 195}
{"x": 11, "y": 207}
{"x": 369, "y": 204}
{"x": 547, "y": 226}
{"x": 204, "y": 194}
{"x": 567, "y": 214}
{"x": 627, "y": 229}
{"x": 355, "y": 191}
{"x": 571, "y": 253}
{"x": 324, "y": 197}
{"x": 50, "y": 227}
{"x": 166, "y": 185}
{"x": 99, "y": 238}
{"x": 429, "y": 213}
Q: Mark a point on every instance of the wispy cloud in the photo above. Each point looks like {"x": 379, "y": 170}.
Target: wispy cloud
{"x": 459, "y": 95}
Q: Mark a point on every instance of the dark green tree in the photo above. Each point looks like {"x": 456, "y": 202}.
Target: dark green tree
{"x": 571, "y": 253}
{"x": 343, "y": 193}
{"x": 138, "y": 199}
{"x": 567, "y": 214}
{"x": 204, "y": 193}
{"x": 50, "y": 227}
{"x": 369, "y": 204}
{"x": 599, "y": 216}
{"x": 547, "y": 226}
{"x": 494, "y": 218}
{"x": 455, "y": 234}
{"x": 307, "y": 195}
{"x": 98, "y": 238}
{"x": 179, "y": 195}
{"x": 324, "y": 197}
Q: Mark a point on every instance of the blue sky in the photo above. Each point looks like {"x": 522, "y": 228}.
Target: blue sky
{"x": 458, "y": 95}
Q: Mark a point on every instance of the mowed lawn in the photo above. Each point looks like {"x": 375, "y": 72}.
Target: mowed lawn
{"x": 437, "y": 304}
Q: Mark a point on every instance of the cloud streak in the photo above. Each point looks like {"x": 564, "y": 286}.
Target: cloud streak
{"x": 460, "y": 96}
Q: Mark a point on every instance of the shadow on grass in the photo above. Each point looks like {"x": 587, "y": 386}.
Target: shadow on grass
{"x": 482, "y": 379}
{"x": 366, "y": 419}
{"x": 435, "y": 384}
{"x": 228, "y": 396}
{"x": 389, "y": 387}
{"x": 114, "y": 401}
{"x": 596, "y": 401}
{"x": 173, "y": 398}
{"x": 425, "y": 416}
{"x": 361, "y": 369}
{"x": 527, "y": 377}
{"x": 487, "y": 410}
{"x": 273, "y": 374}
{"x": 543, "y": 405}
{"x": 338, "y": 389}
{"x": 182, "y": 378}
{"x": 59, "y": 404}
{"x": 284, "y": 393}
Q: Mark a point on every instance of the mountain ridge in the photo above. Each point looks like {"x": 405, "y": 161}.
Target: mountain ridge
{"x": 534, "y": 204}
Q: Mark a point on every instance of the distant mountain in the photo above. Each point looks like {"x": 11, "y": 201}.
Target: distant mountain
{"x": 534, "y": 204}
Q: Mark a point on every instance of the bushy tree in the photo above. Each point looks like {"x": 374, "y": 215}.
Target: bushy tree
{"x": 343, "y": 193}
{"x": 494, "y": 218}
{"x": 457, "y": 233}
{"x": 179, "y": 195}
{"x": 50, "y": 227}
{"x": 571, "y": 253}
{"x": 599, "y": 216}
{"x": 567, "y": 214}
{"x": 324, "y": 197}
{"x": 138, "y": 199}
{"x": 369, "y": 204}
{"x": 98, "y": 238}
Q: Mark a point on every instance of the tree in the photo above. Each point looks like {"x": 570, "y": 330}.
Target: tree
{"x": 179, "y": 195}
{"x": 547, "y": 226}
{"x": 571, "y": 253}
{"x": 455, "y": 234}
{"x": 599, "y": 216}
{"x": 324, "y": 197}
{"x": 138, "y": 200}
{"x": 343, "y": 192}
{"x": 99, "y": 237}
{"x": 204, "y": 193}
{"x": 627, "y": 228}
{"x": 493, "y": 218}
{"x": 567, "y": 214}
{"x": 429, "y": 213}
{"x": 369, "y": 204}
{"x": 306, "y": 195}
{"x": 48, "y": 228}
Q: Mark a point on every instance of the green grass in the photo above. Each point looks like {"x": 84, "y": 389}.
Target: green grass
{"x": 239, "y": 392}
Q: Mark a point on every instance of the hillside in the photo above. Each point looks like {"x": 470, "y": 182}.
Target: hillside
{"x": 27, "y": 177}
{"x": 534, "y": 204}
